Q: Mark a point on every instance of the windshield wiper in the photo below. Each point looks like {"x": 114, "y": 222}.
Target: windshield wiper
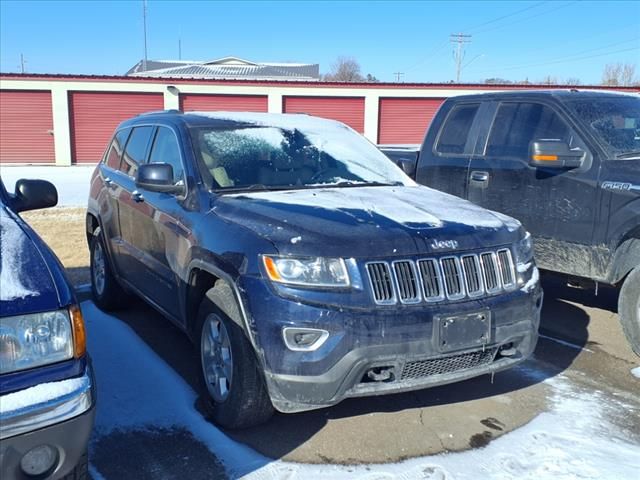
{"x": 351, "y": 183}
{"x": 633, "y": 154}
{"x": 255, "y": 187}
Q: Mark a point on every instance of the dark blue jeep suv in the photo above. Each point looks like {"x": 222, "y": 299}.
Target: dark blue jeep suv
{"x": 47, "y": 391}
{"x": 305, "y": 265}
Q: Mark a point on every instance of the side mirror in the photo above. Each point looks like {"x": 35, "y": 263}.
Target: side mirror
{"x": 157, "y": 177}
{"x": 554, "y": 154}
{"x": 34, "y": 194}
{"x": 408, "y": 166}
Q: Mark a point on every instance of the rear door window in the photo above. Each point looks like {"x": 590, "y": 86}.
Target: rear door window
{"x": 165, "y": 149}
{"x": 114, "y": 154}
{"x": 136, "y": 150}
{"x": 516, "y": 125}
{"x": 455, "y": 131}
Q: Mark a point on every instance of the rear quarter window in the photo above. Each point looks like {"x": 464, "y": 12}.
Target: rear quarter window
{"x": 455, "y": 130}
{"x": 114, "y": 154}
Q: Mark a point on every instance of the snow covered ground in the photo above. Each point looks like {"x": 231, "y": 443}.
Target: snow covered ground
{"x": 575, "y": 439}
{"x": 72, "y": 183}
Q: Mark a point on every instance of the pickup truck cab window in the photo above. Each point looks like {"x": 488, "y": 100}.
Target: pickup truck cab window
{"x": 455, "y": 131}
{"x": 136, "y": 150}
{"x": 114, "y": 155}
{"x": 516, "y": 125}
{"x": 165, "y": 149}
{"x": 614, "y": 121}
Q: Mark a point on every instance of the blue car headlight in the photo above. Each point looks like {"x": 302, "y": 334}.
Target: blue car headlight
{"x": 28, "y": 341}
{"x": 307, "y": 271}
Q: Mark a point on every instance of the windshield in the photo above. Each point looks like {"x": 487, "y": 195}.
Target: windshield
{"x": 614, "y": 120}
{"x": 266, "y": 157}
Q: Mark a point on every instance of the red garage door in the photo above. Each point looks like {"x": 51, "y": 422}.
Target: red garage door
{"x": 26, "y": 127}
{"x": 94, "y": 117}
{"x": 229, "y": 103}
{"x": 346, "y": 110}
{"x": 405, "y": 120}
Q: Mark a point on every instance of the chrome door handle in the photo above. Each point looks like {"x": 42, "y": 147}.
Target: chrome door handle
{"x": 137, "y": 196}
{"x": 480, "y": 176}
{"x": 479, "y": 179}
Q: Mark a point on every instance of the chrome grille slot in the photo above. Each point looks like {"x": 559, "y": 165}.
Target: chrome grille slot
{"x": 407, "y": 281}
{"x": 490, "y": 272}
{"x": 431, "y": 280}
{"x": 506, "y": 269}
{"x": 452, "y": 277}
{"x": 381, "y": 283}
{"x": 472, "y": 276}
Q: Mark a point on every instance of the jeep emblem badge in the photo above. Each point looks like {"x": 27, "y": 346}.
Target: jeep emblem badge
{"x": 441, "y": 244}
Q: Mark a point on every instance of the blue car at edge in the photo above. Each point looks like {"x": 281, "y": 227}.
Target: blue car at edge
{"x": 47, "y": 389}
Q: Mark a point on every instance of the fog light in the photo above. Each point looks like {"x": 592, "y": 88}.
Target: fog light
{"x": 304, "y": 339}
{"x": 39, "y": 461}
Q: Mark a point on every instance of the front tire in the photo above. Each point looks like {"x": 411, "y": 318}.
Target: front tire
{"x": 629, "y": 309}
{"x": 233, "y": 385}
{"x": 107, "y": 292}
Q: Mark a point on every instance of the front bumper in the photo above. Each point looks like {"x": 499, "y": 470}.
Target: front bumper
{"x": 402, "y": 342}
{"x": 58, "y": 414}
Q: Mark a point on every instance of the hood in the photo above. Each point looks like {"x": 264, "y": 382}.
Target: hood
{"x": 367, "y": 221}
{"x": 26, "y": 282}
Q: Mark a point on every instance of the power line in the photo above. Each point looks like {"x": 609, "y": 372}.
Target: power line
{"x": 460, "y": 39}
{"x": 520, "y": 20}
{"x": 572, "y": 57}
{"x": 505, "y": 16}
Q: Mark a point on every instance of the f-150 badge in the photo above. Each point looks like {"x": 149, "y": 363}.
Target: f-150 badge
{"x": 620, "y": 186}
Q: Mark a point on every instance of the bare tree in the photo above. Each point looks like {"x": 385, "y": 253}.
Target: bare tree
{"x": 345, "y": 69}
{"x": 549, "y": 80}
{"x": 572, "y": 81}
{"x": 628, "y": 75}
{"x": 619, "y": 74}
{"x": 611, "y": 74}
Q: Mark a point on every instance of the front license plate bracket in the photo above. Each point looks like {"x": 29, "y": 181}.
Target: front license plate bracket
{"x": 470, "y": 330}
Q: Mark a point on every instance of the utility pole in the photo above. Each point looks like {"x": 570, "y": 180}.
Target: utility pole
{"x": 144, "y": 26}
{"x": 458, "y": 54}
{"x": 23, "y": 62}
{"x": 398, "y": 76}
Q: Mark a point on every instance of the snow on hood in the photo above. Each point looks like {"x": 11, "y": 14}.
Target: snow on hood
{"x": 12, "y": 246}
{"x": 413, "y": 206}
{"x": 365, "y": 221}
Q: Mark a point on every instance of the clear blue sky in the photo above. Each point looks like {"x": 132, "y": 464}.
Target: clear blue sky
{"x": 512, "y": 40}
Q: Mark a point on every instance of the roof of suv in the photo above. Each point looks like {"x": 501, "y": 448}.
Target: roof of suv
{"x": 279, "y": 120}
{"x": 531, "y": 94}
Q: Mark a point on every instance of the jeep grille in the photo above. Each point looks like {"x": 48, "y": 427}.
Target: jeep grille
{"x": 447, "y": 278}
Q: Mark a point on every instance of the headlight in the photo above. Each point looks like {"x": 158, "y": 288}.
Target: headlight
{"x": 307, "y": 271}
{"x": 524, "y": 250}
{"x": 28, "y": 341}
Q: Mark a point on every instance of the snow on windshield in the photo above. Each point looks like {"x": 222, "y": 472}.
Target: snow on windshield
{"x": 11, "y": 246}
{"x": 321, "y": 151}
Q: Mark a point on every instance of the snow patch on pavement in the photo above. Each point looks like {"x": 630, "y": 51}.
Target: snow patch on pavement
{"x": 576, "y": 439}
{"x": 635, "y": 372}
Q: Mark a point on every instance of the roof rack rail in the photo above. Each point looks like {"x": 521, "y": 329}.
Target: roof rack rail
{"x": 159, "y": 112}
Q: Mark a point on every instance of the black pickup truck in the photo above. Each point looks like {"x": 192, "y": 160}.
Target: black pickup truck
{"x": 565, "y": 163}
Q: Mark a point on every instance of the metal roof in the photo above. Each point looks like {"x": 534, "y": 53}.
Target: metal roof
{"x": 218, "y": 69}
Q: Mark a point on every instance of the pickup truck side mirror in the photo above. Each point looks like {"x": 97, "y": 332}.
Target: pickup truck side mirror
{"x": 34, "y": 194}
{"x": 554, "y": 154}
{"x": 157, "y": 177}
